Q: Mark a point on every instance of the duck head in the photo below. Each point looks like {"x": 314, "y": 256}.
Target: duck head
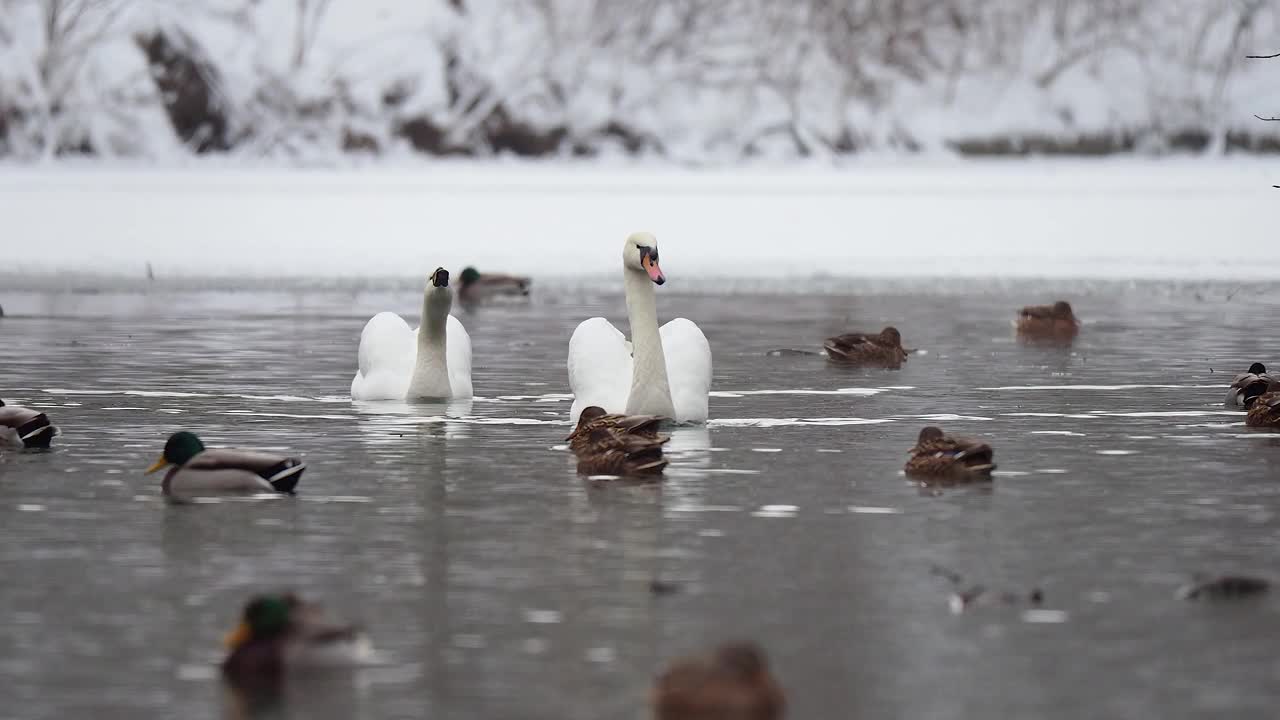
{"x": 468, "y": 277}
{"x": 1254, "y": 369}
{"x": 891, "y": 335}
{"x": 180, "y": 448}
{"x": 1062, "y": 309}
{"x": 264, "y": 617}
{"x": 640, "y": 254}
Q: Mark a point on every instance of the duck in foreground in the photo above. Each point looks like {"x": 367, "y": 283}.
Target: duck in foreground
{"x": 22, "y": 427}
{"x": 1263, "y": 408}
{"x": 595, "y": 418}
{"x": 474, "y": 287}
{"x": 883, "y": 349}
{"x": 949, "y": 457}
{"x": 732, "y": 682}
{"x": 1048, "y": 321}
{"x": 1253, "y": 382}
{"x": 616, "y": 444}
{"x": 194, "y": 470}
{"x": 282, "y": 632}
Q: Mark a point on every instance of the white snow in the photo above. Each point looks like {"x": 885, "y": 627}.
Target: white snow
{"x": 1114, "y": 218}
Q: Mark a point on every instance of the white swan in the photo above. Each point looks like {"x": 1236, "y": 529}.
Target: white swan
{"x": 432, "y": 362}
{"x": 663, "y": 371}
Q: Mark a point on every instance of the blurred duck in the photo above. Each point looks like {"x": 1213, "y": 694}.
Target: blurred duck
{"x": 1054, "y": 321}
{"x": 880, "y": 350}
{"x": 280, "y": 632}
{"x": 475, "y": 287}
{"x": 195, "y": 470}
{"x": 732, "y": 682}
{"x": 960, "y": 459}
{"x": 594, "y": 418}
{"x": 22, "y": 427}
{"x": 1256, "y": 378}
{"x": 1263, "y": 407}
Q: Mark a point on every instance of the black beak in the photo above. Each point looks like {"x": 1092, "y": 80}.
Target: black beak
{"x": 440, "y": 278}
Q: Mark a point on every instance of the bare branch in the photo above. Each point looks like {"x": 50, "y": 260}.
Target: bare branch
{"x": 1262, "y": 57}
{"x": 1270, "y": 119}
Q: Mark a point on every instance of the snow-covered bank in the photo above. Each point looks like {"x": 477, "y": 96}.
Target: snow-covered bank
{"x": 705, "y": 82}
{"x": 1118, "y": 219}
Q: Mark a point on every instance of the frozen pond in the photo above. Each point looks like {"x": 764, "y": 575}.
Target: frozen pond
{"x": 494, "y": 579}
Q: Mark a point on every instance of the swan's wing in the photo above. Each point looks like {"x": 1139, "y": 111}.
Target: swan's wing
{"x": 688, "y": 368}
{"x": 599, "y": 367}
{"x": 386, "y": 356}
{"x": 459, "y": 357}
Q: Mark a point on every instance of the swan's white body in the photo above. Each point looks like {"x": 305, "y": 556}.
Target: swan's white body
{"x": 432, "y": 362}
{"x": 661, "y": 371}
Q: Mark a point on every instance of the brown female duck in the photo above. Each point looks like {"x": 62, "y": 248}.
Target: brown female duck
{"x": 594, "y": 418}
{"x": 937, "y": 454}
{"x": 606, "y": 452}
{"x": 1054, "y": 321}
{"x": 732, "y": 682}
{"x": 881, "y": 350}
{"x": 1263, "y": 407}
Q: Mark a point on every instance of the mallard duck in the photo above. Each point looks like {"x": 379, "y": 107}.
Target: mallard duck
{"x": 1056, "y": 320}
{"x": 881, "y": 350}
{"x": 1263, "y": 407}
{"x": 476, "y": 287}
{"x": 607, "y": 452}
{"x": 732, "y": 682}
{"x": 947, "y": 456}
{"x": 22, "y": 427}
{"x": 1253, "y": 379}
{"x": 1223, "y": 587}
{"x": 196, "y": 470}
{"x": 279, "y": 632}
{"x": 594, "y": 417}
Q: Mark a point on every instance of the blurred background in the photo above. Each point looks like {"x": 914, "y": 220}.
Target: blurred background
{"x": 685, "y": 81}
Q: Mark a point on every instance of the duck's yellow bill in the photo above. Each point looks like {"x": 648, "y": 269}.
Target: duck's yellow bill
{"x": 157, "y": 465}
{"x": 237, "y": 637}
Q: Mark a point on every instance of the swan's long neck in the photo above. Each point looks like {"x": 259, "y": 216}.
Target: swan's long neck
{"x": 431, "y": 368}
{"x": 650, "y": 390}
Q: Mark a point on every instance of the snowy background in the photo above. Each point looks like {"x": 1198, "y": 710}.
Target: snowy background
{"x": 689, "y": 81}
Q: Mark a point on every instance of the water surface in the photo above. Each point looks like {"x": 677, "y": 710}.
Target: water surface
{"x": 497, "y": 583}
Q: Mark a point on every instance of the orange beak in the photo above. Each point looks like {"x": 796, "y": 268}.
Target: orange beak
{"x": 157, "y": 465}
{"x": 237, "y": 637}
{"x": 655, "y": 272}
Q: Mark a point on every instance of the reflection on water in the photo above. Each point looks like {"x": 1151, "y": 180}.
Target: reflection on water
{"x": 492, "y": 576}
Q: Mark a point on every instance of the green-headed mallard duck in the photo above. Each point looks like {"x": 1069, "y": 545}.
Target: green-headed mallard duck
{"x": 945, "y": 456}
{"x": 477, "y": 287}
{"x": 1263, "y": 407}
{"x": 1255, "y": 380}
{"x": 1054, "y": 321}
{"x": 196, "y": 470}
{"x": 607, "y": 452}
{"x": 881, "y": 350}
{"x": 279, "y": 632}
{"x": 732, "y": 682}
{"x": 594, "y": 418}
{"x": 22, "y": 427}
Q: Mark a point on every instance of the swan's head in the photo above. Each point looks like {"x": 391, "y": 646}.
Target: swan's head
{"x": 640, "y": 253}
{"x": 440, "y": 278}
